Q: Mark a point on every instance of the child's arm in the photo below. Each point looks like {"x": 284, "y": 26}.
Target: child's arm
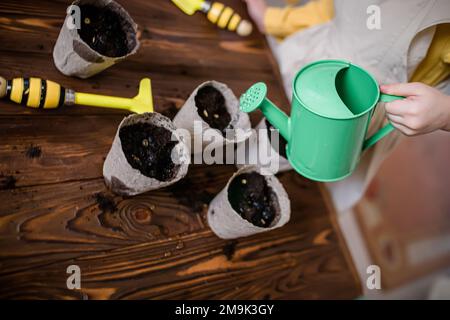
{"x": 424, "y": 110}
{"x": 281, "y": 22}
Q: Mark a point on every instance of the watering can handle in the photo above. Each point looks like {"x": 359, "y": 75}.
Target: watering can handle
{"x": 380, "y": 134}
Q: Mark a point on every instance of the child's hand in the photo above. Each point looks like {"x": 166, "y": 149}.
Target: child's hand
{"x": 425, "y": 109}
{"x": 256, "y": 10}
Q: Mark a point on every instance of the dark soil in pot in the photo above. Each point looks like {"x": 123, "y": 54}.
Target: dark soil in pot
{"x": 148, "y": 149}
{"x": 212, "y": 109}
{"x": 251, "y": 197}
{"x": 281, "y": 148}
{"x": 104, "y": 30}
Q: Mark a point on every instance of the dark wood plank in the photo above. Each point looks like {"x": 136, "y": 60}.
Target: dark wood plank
{"x": 70, "y": 148}
{"x": 169, "y": 54}
{"x": 55, "y": 209}
{"x": 158, "y": 245}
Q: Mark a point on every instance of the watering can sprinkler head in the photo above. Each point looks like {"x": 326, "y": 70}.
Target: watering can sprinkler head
{"x": 256, "y": 98}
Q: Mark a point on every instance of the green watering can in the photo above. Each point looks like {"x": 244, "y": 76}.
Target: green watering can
{"x": 332, "y": 105}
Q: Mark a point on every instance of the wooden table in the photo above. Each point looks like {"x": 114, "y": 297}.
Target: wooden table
{"x": 55, "y": 210}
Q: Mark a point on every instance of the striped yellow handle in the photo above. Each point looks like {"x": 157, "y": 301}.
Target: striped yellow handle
{"x": 226, "y": 18}
{"x": 35, "y": 92}
{"x": 38, "y": 93}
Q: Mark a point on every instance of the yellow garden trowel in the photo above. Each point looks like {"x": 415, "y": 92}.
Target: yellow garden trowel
{"x": 46, "y": 94}
{"x": 224, "y": 17}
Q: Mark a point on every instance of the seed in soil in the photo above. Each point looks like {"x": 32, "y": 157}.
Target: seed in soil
{"x": 105, "y": 31}
{"x": 209, "y": 100}
{"x": 153, "y": 160}
{"x": 254, "y": 200}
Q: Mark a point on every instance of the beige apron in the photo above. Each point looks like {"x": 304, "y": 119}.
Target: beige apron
{"x": 391, "y": 54}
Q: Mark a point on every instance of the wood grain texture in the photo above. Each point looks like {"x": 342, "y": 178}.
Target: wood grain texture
{"x": 56, "y": 211}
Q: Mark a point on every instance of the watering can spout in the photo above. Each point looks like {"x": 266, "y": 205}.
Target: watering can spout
{"x": 255, "y": 98}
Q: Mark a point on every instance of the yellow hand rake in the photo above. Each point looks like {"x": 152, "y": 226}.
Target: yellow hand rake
{"x": 46, "y": 94}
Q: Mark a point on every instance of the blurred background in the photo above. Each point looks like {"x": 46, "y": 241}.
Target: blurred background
{"x": 403, "y": 222}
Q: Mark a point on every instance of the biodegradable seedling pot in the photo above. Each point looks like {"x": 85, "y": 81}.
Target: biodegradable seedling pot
{"x": 246, "y": 206}
{"x": 143, "y": 156}
{"x": 248, "y": 151}
{"x": 107, "y": 34}
{"x": 215, "y": 106}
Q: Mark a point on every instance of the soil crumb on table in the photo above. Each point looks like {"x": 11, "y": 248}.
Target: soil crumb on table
{"x": 33, "y": 151}
{"x": 229, "y": 249}
{"x": 105, "y": 203}
{"x": 148, "y": 148}
{"x": 211, "y": 107}
{"x": 196, "y": 201}
{"x": 104, "y": 30}
{"x": 251, "y": 197}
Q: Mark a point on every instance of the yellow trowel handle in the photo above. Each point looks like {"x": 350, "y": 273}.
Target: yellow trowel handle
{"x": 101, "y": 101}
{"x": 33, "y": 92}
